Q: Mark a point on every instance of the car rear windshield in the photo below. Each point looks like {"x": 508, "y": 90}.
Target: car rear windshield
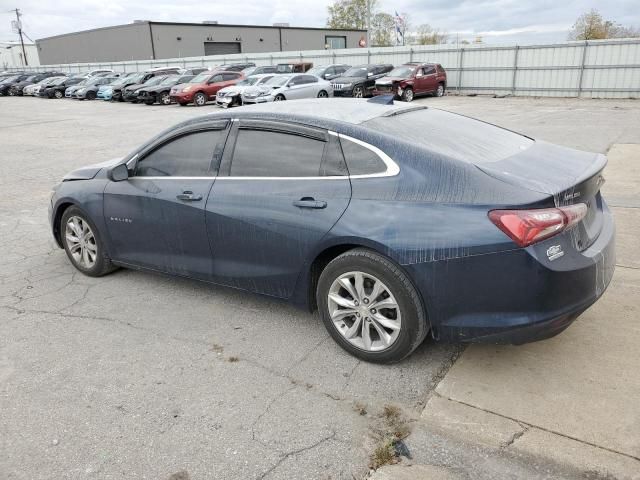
{"x": 453, "y": 135}
{"x": 401, "y": 72}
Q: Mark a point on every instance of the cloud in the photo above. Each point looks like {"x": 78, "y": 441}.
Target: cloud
{"x": 504, "y": 20}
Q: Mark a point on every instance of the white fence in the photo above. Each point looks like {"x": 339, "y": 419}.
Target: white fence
{"x": 595, "y": 68}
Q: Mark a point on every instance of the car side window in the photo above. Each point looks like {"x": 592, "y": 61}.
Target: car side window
{"x": 419, "y": 73}
{"x": 229, "y": 76}
{"x": 216, "y": 79}
{"x": 309, "y": 79}
{"x": 263, "y": 153}
{"x": 189, "y": 155}
{"x": 361, "y": 160}
{"x": 430, "y": 70}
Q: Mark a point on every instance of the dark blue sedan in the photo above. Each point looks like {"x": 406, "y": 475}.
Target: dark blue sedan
{"x": 394, "y": 221}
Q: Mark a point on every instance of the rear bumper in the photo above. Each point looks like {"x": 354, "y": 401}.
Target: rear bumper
{"x": 517, "y": 296}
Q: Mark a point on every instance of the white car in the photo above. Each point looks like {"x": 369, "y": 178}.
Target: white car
{"x": 33, "y": 90}
{"x": 232, "y": 95}
{"x": 288, "y": 87}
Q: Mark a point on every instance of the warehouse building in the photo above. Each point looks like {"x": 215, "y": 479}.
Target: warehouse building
{"x": 144, "y": 40}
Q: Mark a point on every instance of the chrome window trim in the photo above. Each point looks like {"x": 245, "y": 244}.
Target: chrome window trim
{"x": 392, "y": 167}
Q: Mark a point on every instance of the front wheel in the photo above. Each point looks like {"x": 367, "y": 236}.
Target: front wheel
{"x": 58, "y": 94}
{"x": 358, "y": 92}
{"x": 165, "y": 99}
{"x": 323, "y": 94}
{"x": 407, "y": 95}
{"x": 279, "y": 98}
{"x": 370, "y": 307}
{"x": 91, "y": 96}
{"x": 82, "y": 243}
{"x": 199, "y": 99}
{"x": 440, "y": 90}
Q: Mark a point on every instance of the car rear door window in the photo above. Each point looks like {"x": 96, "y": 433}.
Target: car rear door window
{"x": 429, "y": 70}
{"x": 229, "y": 76}
{"x": 264, "y": 153}
{"x": 361, "y": 160}
{"x": 189, "y": 155}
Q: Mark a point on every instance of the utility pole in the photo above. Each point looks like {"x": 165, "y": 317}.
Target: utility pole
{"x": 19, "y": 27}
{"x": 368, "y": 23}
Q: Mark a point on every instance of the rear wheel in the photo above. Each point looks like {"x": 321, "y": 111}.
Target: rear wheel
{"x": 358, "y": 92}
{"x": 279, "y": 98}
{"x": 370, "y": 307}
{"x": 323, "y": 94}
{"x": 165, "y": 99}
{"x": 83, "y": 244}
{"x": 199, "y": 99}
{"x": 91, "y": 95}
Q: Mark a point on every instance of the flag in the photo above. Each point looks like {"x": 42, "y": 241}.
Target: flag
{"x": 399, "y": 21}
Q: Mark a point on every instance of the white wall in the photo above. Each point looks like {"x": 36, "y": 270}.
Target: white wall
{"x": 11, "y": 55}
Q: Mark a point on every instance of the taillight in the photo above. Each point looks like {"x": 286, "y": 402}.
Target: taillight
{"x": 526, "y": 227}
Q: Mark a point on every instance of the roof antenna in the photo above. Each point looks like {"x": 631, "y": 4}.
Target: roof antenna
{"x": 382, "y": 99}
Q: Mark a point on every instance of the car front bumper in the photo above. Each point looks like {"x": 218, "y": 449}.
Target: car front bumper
{"x": 263, "y": 99}
{"x": 181, "y": 97}
{"x": 517, "y": 296}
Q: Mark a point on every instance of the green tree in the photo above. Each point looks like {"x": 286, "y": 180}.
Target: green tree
{"x": 383, "y": 29}
{"x": 350, "y": 13}
{"x": 592, "y": 26}
{"x": 428, "y": 36}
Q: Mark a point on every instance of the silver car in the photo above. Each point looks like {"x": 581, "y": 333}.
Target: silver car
{"x": 232, "y": 95}
{"x": 292, "y": 86}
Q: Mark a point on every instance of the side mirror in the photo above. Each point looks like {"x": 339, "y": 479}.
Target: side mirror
{"x": 119, "y": 173}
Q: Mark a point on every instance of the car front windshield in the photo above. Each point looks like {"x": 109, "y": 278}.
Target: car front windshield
{"x": 317, "y": 71}
{"x": 356, "y": 72}
{"x": 278, "y": 81}
{"x": 59, "y": 81}
{"x": 200, "y": 78}
{"x": 401, "y": 72}
{"x": 154, "y": 81}
{"x": 169, "y": 80}
{"x": 10, "y": 79}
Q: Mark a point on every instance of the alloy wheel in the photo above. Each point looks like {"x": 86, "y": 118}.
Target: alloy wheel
{"x": 408, "y": 95}
{"x": 199, "y": 99}
{"x": 440, "y": 91}
{"x": 165, "y": 99}
{"x": 58, "y": 94}
{"x": 278, "y": 98}
{"x": 364, "y": 311}
{"x": 358, "y": 92}
{"x": 81, "y": 242}
{"x": 322, "y": 94}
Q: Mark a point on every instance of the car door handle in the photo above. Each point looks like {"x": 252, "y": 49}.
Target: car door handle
{"x": 310, "y": 202}
{"x": 188, "y": 196}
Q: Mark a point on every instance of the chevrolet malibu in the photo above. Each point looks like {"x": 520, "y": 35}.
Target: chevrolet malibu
{"x": 471, "y": 233}
{"x": 293, "y": 86}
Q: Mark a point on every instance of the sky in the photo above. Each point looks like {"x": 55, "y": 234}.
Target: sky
{"x": 497, "y": 21}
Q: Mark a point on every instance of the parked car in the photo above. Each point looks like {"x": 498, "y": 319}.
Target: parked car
{"x": 194, "y": 71}
{"x": 380, "y": 237}
{"x": 98, "y": 71}
{"x": 17, "y": 88}
{"x": 413, "y": 79}
{"x": 251, "y": 71}
{"x": 202, "y": 88}
{"x": 141, "y": 78}
{"x": 70, "y": 90}
{"x": 359, "y": 81}
{"x": 293, "y": 67}
{"x": 329, "y": 72}
{"x": 130, "y": 93}
{"x": 231, "y": 96}
{"x": 89, "y": 91}
{"x": 7, "y": 83}
{"x": 235, "y": 67}
{"x": 105, "y": 92}
{"x": 33, "y": 90}
{"x": 161, "y": 92}
{"x": 58, "y": 87}
{"x": 288, "y": 87}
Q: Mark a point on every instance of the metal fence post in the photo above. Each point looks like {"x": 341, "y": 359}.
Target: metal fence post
{"x": 368, "y": 56}
{"x": 515, "y": 69}
{"x": 460, "y": 66}
{"x": 584, "y": 57}
{"x": 411, "y": 55}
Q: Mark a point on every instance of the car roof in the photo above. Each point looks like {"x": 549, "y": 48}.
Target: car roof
{"x": 350, "y": 110}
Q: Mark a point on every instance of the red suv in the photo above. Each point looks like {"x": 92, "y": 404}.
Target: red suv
{"x": 203, "y": 87}
{"x": 407, "y": 81}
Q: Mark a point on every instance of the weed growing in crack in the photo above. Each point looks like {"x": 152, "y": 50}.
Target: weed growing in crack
{"x": 394, "y": 429}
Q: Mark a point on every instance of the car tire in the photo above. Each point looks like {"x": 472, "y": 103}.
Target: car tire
{"x": 358, "y": 92}
{"x": 150, "y": 101}
{"x": 323, "y": 94}
{"x": 90, "y": 96}
{"x": 199, "y": 99}
{"x": 407, "y": 95}
{"x": 87, "y": 254}
{"x": 58, "y": 94}
{"x": 440, "y": 90}
{"x": 165, "y": 99}
{"x": 279, "y": 98}
{"x": 405, "y": 323}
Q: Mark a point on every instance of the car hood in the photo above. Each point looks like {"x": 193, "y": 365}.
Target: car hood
{"x": 90, "y": 171}
{"x": 347, "y": 79}
{"x": 234, "y": 90}
{"x": 134, "y": 87}
{"x": 157, "y": 88}
{"x": 390, "y": 80}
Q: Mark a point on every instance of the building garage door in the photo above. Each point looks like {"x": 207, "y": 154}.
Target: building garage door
{"x": 221, "y": 48}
